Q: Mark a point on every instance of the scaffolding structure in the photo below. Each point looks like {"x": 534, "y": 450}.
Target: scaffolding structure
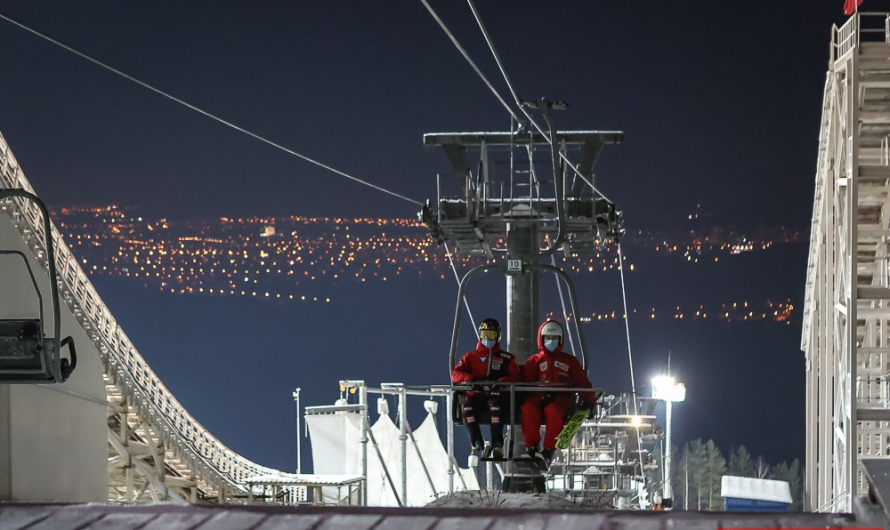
{"x": 615, "y": 459}
{"x": 846, "y": 339}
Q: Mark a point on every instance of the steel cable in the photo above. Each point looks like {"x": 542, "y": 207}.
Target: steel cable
{"x": 469, "y": 59}
{"x": 201, "y": 111}
{"x": 630, "y": 359}
{"x": 516, "y": 99}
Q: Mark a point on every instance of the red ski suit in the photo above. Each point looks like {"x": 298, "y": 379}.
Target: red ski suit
{"x": 483, "y": 364}
{"x": 550, "y": 367}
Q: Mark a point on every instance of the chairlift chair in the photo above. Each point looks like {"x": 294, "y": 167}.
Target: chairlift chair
{"x": 27, "y": 354}
{"x": 483, "y": 417}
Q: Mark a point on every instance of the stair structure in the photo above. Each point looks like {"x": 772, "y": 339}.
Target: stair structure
{"x": 846, "y": 331}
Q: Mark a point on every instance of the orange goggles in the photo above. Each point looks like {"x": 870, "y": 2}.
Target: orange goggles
{"x": 488, "y": 334}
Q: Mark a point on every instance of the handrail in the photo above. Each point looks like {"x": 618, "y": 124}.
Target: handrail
{"x": 815, "y": 235}
{"x": 211, "y": 461}
{"x": 521, "y": 386}
{"x": 849, "y": 35}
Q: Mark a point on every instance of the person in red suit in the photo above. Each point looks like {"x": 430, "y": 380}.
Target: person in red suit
{"x": 551, "y": 365}
{"x": 488, "y": 362}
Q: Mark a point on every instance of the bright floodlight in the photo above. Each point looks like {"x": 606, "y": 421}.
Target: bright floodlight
{"x": 667, "y": 388}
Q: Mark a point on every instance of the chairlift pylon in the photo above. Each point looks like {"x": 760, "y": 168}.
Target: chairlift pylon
{"x": 27, "y": 354}
{"x": 478, "y": 221}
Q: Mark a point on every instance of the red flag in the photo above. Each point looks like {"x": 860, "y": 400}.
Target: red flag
{"x": 851, "y": 5}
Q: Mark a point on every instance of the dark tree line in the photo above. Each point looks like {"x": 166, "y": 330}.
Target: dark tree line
{"x": 697, "y": 474}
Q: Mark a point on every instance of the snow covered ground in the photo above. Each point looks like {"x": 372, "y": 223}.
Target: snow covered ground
{"x": 499, "y": 499}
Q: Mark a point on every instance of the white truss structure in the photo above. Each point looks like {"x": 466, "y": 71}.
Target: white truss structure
{"x": 846, "y": 329}
{"x": 157, "y": 450}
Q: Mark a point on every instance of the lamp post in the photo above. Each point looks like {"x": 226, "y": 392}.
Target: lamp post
{"x": 299, "y": 453}
{"x": 667, "y": 389}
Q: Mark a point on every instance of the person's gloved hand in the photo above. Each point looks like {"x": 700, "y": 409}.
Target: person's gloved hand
{"x": 496, "y": 389}
{"x": 478, "y": 387}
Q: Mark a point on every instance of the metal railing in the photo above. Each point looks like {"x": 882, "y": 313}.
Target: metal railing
{"x": 448, "y": 392}
{"x": 212, "y": 463}
{"x": 873, "y": 390}
{"x": 868, "y": 26}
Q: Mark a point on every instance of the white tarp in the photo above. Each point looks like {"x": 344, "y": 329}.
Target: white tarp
{"x": 759, "y": 489}
{"x": 336, "y": 449}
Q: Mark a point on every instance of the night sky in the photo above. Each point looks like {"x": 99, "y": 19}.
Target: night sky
{"x": 720, "y": 102}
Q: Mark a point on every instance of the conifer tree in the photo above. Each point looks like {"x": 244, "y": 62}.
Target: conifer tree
{"x": 696, "y": 456}
{"x": 740, "y": 462}
{"x": 792, "y": 475}
{"x": 681, "y": 483}
{"x": 715, "y": 466}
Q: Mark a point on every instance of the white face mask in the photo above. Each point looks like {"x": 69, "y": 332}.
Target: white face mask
{"x": 551, "y": 345}
{"x": 489, "y": 343}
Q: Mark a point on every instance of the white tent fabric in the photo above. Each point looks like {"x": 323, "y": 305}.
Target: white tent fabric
{"x": 336, "y": 449}
{"x": 420, "y": 492}
{"x": 379, "y": 490}
{"x": 436, "y": 458}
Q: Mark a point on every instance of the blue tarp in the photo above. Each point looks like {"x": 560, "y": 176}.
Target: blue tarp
{"x": 734, "y": 504}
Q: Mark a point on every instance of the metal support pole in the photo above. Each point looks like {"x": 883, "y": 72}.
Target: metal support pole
{"x": 449, "y": 428}
{"x": 426, "y": 470}
{"x": 667, "y": 494}
{"x": 383, "y": 465}
{"x": 299, "y": 452}
{"x": 363, "y": 401}
{"x": 403, "y": 440}
{"x": 489, "y": 472}
{"x": 568, "y": 474}
{"x": 523, "y": 294}
{"x": 523, "y": 318}
{"x": 513, "y": 432}
{"x": 851, "y": 443}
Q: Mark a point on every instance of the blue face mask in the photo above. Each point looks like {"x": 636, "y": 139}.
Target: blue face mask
{"x": 551, "y": 345}
{"x": 489, "y": 343}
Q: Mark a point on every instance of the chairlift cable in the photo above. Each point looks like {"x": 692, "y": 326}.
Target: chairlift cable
{"x": 497, "y": 58}
{"x": 518, "y": 102}
{"x": 630, "y": 359}
{"x": 469, "y": 59}
{"x": 201, "y": 111}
